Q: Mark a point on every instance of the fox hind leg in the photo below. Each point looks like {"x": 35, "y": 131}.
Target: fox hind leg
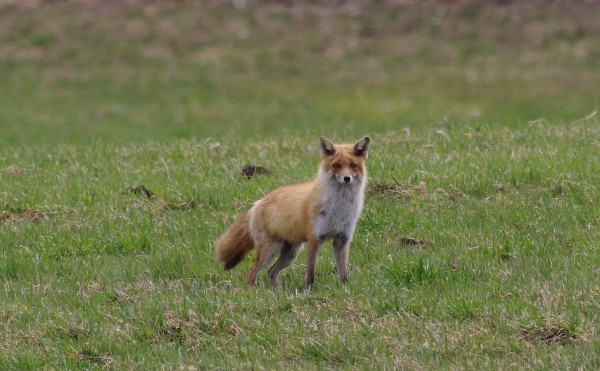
{"x": 264, "y": 255}
{"x": 288, "y": 254}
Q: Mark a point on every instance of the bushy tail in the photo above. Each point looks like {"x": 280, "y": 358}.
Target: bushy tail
{"x": 235, "y": 243}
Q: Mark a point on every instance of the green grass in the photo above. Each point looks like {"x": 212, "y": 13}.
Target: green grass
{"x": 478, "y": 246}
{"x": 92, "y": 276}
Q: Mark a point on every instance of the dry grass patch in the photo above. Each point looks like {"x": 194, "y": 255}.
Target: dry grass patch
{"x": 146, "y": 194}
{"x": 550, "y": 334}
{"x": 16, "y": 215}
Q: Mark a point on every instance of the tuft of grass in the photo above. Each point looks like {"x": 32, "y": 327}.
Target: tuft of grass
{"x": 421, "y": 272}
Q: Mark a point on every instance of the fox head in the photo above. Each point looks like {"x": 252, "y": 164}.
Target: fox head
{"x": 345, "y": 162}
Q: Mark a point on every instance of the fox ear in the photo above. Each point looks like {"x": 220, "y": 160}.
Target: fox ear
{"x": 361, "y": 148}
{"x": 327, "y": 147}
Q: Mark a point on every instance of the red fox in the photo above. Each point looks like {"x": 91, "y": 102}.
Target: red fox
{"x": 325, "y": 208}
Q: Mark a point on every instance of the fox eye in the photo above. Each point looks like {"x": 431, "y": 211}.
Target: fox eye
{"x": 353, "y": 165}
{"x": 337, "y": 165}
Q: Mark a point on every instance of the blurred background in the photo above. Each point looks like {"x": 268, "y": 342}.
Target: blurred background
{"x": 81, "y": 71}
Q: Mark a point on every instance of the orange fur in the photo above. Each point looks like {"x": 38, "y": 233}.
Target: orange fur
{"x": 279, "y": 223}
{"x": 235, "y": 243}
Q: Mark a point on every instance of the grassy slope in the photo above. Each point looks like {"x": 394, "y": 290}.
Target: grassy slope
{"x": 93, "y": 277}
{"x": 178, "y": 71}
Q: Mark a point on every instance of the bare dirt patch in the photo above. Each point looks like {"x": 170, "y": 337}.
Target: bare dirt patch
{"x": 250, "y": 170}
{"x": 411, "y": 241}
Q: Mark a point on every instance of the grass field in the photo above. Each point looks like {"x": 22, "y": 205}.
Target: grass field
{"x": 478, "y": 247}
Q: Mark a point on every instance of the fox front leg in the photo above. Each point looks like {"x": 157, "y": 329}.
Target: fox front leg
{"x": 311, "y": 260}
{"x": 340, "y": 249}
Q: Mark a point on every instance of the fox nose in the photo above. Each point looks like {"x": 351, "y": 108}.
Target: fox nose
{"x": 347, "y": 179}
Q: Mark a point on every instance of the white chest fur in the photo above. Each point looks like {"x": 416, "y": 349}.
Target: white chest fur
{"x": 340, "y": 207}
